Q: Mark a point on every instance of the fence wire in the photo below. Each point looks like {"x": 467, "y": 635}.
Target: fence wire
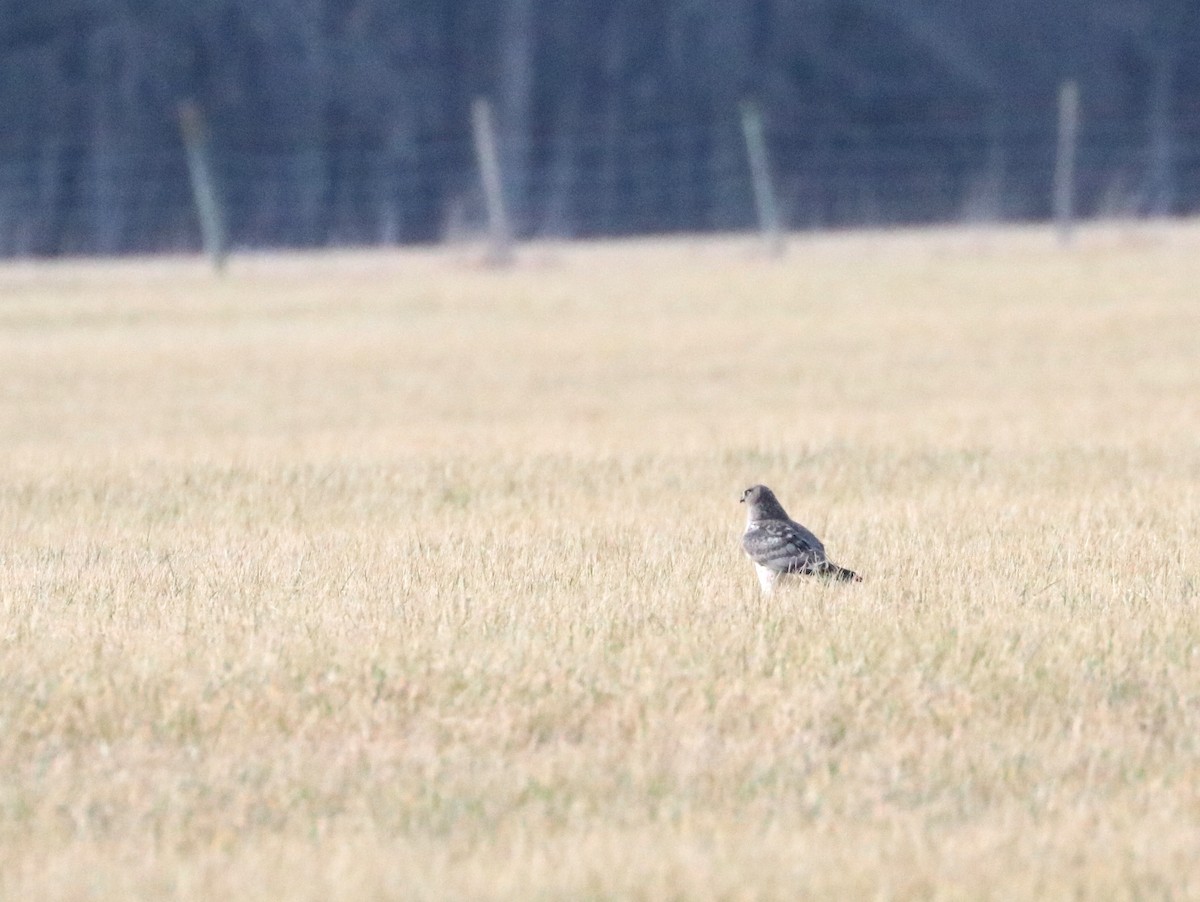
{"x": 113, "y": 197}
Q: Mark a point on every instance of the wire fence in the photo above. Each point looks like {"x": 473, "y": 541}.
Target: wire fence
{"x": 113, "y": 196}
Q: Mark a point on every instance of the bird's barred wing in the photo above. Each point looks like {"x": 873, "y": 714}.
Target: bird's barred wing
{"x": 782, "y": 546}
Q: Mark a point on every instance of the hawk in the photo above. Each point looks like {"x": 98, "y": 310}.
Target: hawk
{"x": 779, "y": 546}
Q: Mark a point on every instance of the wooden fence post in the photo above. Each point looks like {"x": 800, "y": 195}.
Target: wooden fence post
{"x": 760, "y": 171}
{"x": 499, "y": 231}
{"x": 204, "y": 190}
{"x": 1064, "y": 164}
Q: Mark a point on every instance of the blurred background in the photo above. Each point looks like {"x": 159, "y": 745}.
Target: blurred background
{"x": 125, "y": 124}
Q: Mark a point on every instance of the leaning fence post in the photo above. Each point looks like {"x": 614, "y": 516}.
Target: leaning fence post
{"x": 1064, "y": 163}
{"x": 204, "y": 189}
{"x": 760, "y": 172}
{"x": 499, "y": 230}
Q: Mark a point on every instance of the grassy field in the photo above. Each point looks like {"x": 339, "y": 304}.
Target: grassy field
{"x": 385, "y": 575}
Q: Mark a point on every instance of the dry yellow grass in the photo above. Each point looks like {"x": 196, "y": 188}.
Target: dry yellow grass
{"x": 371, "y": 575}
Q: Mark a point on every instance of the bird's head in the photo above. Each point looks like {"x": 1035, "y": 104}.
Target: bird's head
{"x": 756, "y": 493}
{"x": 762, "y": 503}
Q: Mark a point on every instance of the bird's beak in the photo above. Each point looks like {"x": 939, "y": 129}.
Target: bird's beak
{"x": 741, "y": 501}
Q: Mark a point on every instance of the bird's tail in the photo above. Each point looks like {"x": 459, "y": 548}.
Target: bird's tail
{"x": 829, "y": 568}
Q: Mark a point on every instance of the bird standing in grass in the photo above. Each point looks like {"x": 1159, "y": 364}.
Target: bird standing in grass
{"x": 781, "y": 547}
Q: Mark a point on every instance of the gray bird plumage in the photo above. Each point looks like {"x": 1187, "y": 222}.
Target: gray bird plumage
{"x": 779, "y": 546}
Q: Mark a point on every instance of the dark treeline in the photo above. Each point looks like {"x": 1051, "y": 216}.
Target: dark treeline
{"x": 348, "y": 121}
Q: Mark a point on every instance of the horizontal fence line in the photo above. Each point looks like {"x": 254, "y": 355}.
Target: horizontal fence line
{"x": 1014, "y": 130}
{"x": 684, "y": 175}
{"x": 287, "y": 169}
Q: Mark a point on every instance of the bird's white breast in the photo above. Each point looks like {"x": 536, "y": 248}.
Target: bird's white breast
{"x": 766, "y": 578}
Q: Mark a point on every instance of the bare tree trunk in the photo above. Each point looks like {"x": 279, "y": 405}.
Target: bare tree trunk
{"x": 727, "y": 46}
{"x": 558, "y": 213}
{"x": 1161, "y": 177}
{"x": 609, "y": 219}
{"x": 108, "y": 78}
{"x": 515, "y": 99}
